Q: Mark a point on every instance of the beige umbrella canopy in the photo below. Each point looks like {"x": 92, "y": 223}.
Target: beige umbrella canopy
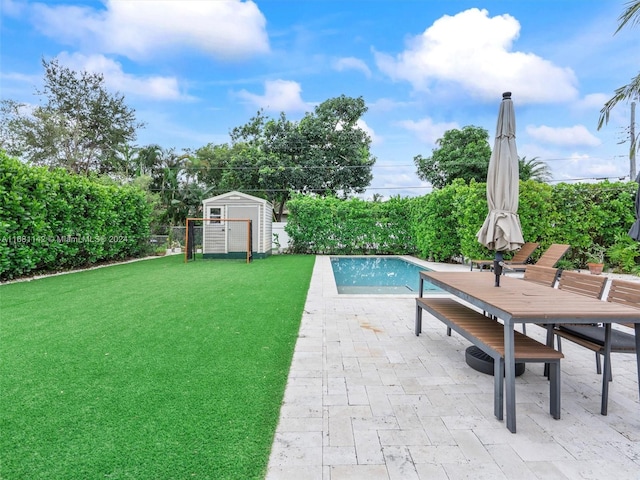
{"x": 501, "y": 230}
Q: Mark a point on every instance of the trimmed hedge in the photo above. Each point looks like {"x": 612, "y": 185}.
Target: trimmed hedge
{"x": 53, "y": 220}
{"x": 442, "y": 225}
{"x": 349, "y": 227}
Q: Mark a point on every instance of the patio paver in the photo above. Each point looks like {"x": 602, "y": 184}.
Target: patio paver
{"x": 368, "y": 399}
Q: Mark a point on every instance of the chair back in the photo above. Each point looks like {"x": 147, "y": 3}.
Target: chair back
{"x": 543, "y": 275}
{"x": 583, "y": 284}
{"x": 522, "y": 255}
{"x": 553, "y": 254}
{"x": 624, "y": 292}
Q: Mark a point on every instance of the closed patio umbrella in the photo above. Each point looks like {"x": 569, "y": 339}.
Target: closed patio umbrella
{"x": 501, "y": 230}
{"x": 635, "y": 228}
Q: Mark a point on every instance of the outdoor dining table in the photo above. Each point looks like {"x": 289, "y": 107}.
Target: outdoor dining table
{"x": 518, "y": 301}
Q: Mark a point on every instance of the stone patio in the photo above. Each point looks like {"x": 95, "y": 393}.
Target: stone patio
{"x": 367, "y": 399}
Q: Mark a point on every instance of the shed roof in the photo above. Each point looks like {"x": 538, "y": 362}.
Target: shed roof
{"x": 234, "y": 195}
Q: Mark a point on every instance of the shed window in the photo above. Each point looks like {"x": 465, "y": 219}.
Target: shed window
{"x": 215, "y": 214}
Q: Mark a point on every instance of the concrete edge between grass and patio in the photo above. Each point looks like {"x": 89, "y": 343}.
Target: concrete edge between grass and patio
{"x": 29, "y": 278}
{"x": 367, "y": 399}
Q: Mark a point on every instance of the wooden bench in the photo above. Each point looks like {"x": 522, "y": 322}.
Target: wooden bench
{"x": 488, "y": 335}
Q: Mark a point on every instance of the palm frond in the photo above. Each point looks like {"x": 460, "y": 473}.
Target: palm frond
{"x": 627, "y": 92}
{"x": 630, "y": 15}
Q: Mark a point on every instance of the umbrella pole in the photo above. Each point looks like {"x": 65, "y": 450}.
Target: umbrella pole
{"x": 497, "y": 267}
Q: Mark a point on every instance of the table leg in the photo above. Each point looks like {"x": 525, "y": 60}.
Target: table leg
{"x": 550, "y": 338}
{"x": 498, "y": 387}
{"x": 418, "y": 325}
{"x": 607, "y": 368}
{"x": 510, "y": 375}
{"x": 638, "y": 352}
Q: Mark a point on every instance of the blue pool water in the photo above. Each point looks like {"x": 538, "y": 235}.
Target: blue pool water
{"x": 377, "y": 275}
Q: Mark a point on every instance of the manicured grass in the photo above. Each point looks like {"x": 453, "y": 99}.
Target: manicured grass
{"x": 150, "y": 370}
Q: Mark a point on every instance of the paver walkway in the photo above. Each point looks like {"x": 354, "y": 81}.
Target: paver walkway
{"x": 367, "y": 399}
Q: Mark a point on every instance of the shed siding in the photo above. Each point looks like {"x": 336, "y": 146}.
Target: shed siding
{"x": 261, "y": 223}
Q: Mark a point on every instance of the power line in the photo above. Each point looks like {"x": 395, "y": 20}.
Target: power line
{"x": 328, "y": 167}
{"x": 409, "y": 187}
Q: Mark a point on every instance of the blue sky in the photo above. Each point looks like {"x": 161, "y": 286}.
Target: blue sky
{"x": 194, "y": 69}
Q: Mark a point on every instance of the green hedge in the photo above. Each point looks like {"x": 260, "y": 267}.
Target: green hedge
{"x": 442, "y": 225}
{"x": 52, "y": 220}
{"x": 350, "y": 227}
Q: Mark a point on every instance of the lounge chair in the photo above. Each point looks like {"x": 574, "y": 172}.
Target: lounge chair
{"x": 549, "y": 258}
{"x": 519, "y": 258}
{"x": 593, "y": 336}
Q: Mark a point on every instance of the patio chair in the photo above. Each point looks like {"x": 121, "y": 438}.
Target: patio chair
{"x": 546, "y": 276}
{"x": 543, "y": 275}
{"x": 549, "y": 258}
{"x": 582, "y": 283}
{"x": 519, "y": 258}
{"x": 593, "y": 336}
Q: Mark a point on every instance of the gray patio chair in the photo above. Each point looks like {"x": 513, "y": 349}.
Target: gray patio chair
{"x": 593, "y": 336}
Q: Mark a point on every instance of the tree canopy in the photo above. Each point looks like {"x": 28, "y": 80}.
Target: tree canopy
{"x": 461, "y": 154}
{"x": 80, "y": 125}
{"x": 326, "y": 153}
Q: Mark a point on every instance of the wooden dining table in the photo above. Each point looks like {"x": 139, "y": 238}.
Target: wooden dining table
{"x": 518, "y": 301}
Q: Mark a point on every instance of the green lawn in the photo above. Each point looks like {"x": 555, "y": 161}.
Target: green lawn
{"x": 150, "y": 370}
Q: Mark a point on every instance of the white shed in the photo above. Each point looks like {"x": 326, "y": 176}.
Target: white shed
{"x": 217, "y": 238}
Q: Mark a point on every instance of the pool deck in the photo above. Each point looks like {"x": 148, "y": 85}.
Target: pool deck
{"x": 367, "y": 399}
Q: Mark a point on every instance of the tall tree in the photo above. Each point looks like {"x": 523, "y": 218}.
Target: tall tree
{"x": 79, "y": 126}
{"x": 631, "y": 91}
{"x": 534, "y": 169}
{"x": 459, "y": 154}
{"x": 326, "y": 153}
{"x": 210, "y": 162}
{"x": 172, "y": 185}
{"x": 338, "y": 159}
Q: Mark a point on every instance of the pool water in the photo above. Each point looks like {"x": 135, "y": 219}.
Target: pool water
{"x": 378, "y": 275}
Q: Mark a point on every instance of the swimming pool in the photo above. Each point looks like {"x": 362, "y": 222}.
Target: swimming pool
{"x": 378, "y": 275}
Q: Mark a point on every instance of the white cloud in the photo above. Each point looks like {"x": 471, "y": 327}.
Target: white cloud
{"x": 604, "y": 170}
{"x": 157, "y": 87}
{"x": 225, "y": 29}
{"x": 592, "y": 101}
{"x": 352, "y": 63}
{"x": 587, "y": 168}
{"x": 400, "y": 180}
{"x": 473, "y": 51}
{"x": 578, "y": 135}
{"x": 279, "y": 96}
{"x": 427, "y": 131}
{"x": 362, "y": 125}
{"x": 19, "y": 87}
{"x": 11, "y": 8}
{"x": 387, "y": 105}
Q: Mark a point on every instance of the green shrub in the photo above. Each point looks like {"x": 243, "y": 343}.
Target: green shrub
{"x": 442, "y": 225}
{"x": 53, "y": 220}
{"x": 625, "y": 255}
{"x": 349, "y": 227}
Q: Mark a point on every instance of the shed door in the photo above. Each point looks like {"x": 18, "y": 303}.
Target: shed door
{"x": 251, "y": 212}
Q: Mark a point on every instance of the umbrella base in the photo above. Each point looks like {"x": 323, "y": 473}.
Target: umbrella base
{"x": 480, "y": 361}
